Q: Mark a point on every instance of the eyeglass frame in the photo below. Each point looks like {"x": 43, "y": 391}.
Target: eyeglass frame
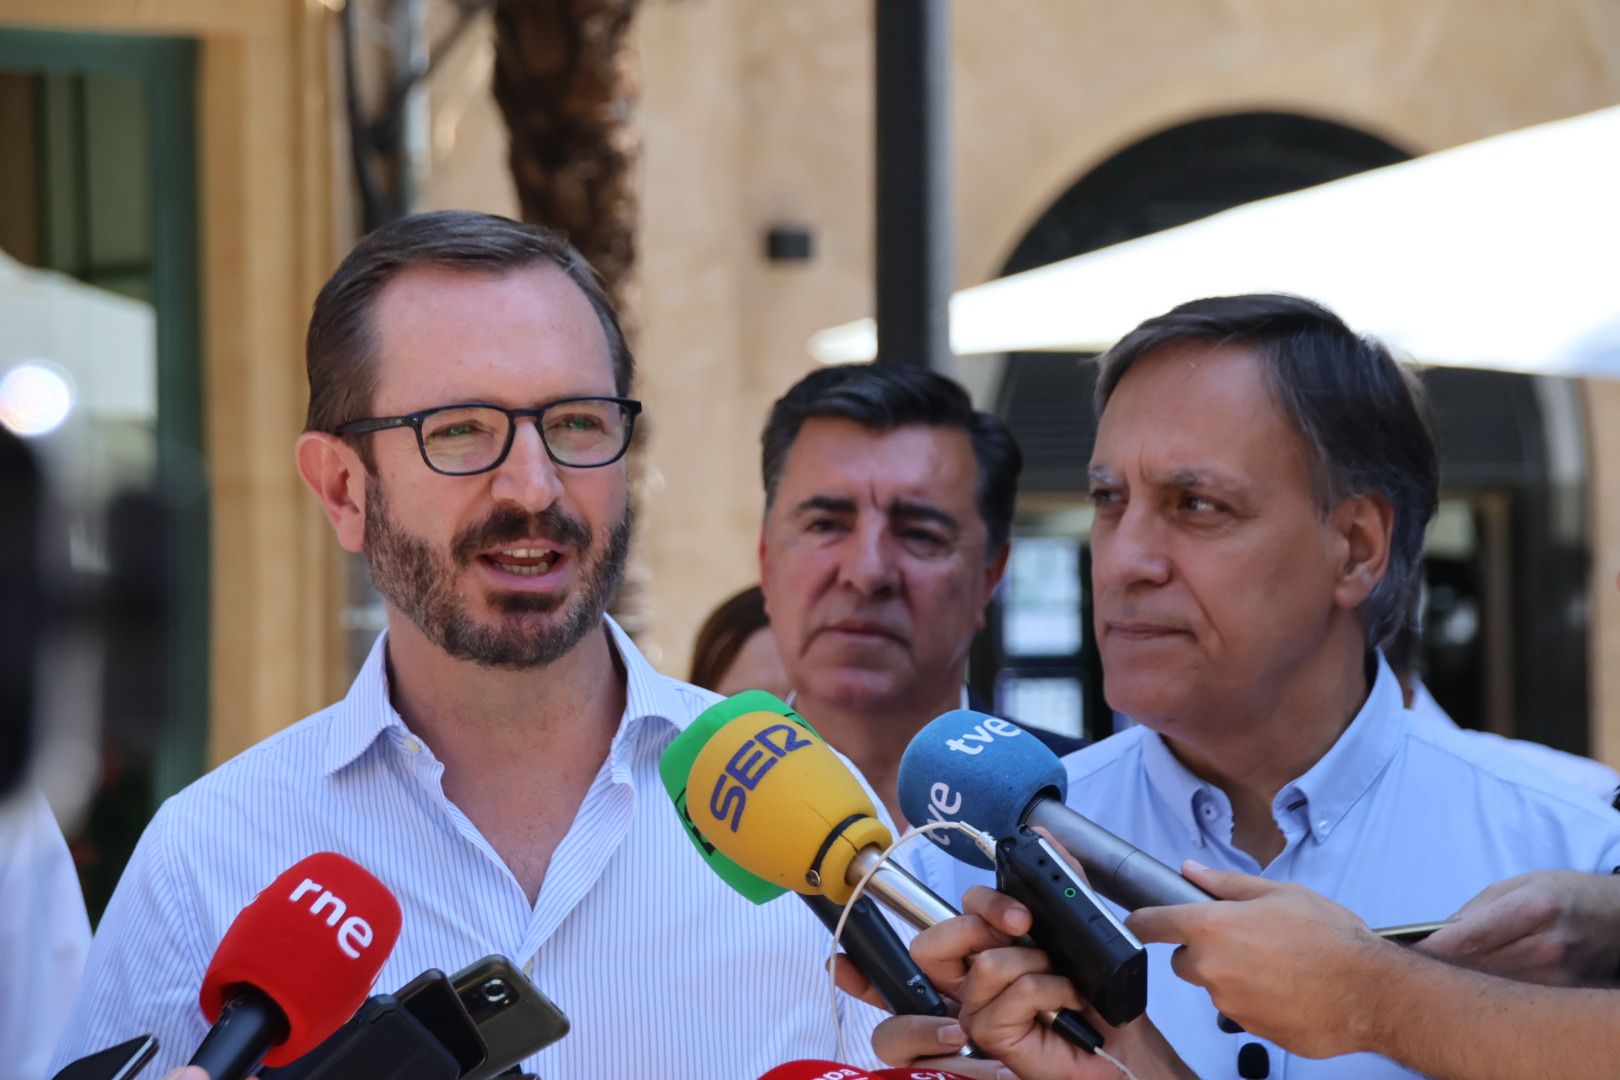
{"x": 414, "y": 421}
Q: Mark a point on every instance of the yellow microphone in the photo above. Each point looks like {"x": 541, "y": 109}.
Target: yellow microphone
{"x": 775, "y": 799}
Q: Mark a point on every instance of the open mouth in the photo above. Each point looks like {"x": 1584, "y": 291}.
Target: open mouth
{"x": 523, "y": 561}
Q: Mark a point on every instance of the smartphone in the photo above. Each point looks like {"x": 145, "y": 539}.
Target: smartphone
{"x": 1411, "y": 933}
{"x": 119, "y": 1062}
{"x": 432, "y": 999}
{"x": 513, "y": 1017}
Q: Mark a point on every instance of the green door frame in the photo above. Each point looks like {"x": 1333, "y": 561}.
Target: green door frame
{"x": 167, "y": 68}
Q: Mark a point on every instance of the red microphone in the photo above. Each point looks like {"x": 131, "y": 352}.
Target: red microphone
{"x": 294, "y": 965}
{"x": 809, "y": 1069}
{"x": 911, "y": 1072}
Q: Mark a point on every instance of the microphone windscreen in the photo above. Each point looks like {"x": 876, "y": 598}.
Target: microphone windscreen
{"x": 313, "y": 942}
{"x": 982, "y": 770}
{"x": 769, "y": 793}
{"x": 809, "y": 1069}
{"x": 675, "y": 765}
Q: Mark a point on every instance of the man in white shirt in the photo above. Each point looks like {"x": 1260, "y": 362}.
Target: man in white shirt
{"x": 495, "y": 761}
{"x": 44, "y": 934}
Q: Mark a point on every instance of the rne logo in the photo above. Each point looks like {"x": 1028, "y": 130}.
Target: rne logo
{"x": 353, "y": 935}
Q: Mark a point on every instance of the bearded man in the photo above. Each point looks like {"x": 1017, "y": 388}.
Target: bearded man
{"x": 495, "y": 761}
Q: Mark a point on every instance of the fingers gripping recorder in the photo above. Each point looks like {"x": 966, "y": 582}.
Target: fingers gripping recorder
{"x": 766, "y": 798}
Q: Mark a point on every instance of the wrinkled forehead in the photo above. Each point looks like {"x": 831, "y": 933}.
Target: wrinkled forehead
{"x": 514, "y": 337}
{"x": 1193, "y": 409}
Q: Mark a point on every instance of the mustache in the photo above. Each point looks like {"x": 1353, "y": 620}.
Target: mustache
{"x": 510, "y": 525}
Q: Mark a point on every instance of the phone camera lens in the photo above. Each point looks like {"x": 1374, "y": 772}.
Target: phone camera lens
{"x": 496, "y": 992}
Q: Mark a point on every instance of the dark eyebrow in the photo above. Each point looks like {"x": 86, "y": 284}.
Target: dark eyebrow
{"x": 919, "y": 511}
{"x": 1212, "y": 479}
{"x": 824, "y": 504}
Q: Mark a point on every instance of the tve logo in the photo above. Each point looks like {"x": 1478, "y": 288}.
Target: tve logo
{"x": 983, "y": 734}
{"x": 748, "y": 767}
{"x": 353, "y": 935}
{"x": 944, "y": 804}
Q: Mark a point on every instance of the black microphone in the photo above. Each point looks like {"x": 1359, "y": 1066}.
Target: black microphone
{"x": 882, "y": 957}
{"x": 969, "y": 767}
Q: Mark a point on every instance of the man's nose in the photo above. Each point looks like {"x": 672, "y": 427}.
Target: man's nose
{"x": 528, "y": 477}
{"x": 869, "y": 565}
{"x": 1131, "y": 550}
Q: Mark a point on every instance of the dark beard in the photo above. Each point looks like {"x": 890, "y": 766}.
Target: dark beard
{"x": 421, "y": 583}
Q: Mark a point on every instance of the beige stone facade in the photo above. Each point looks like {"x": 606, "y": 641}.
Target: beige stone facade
{"x": 754, "y": 113}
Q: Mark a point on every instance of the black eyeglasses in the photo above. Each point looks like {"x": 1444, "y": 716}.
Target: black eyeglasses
{"x": 460, "y": 440}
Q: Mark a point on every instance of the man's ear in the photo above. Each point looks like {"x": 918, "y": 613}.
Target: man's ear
{"x": 994, "y": 571}
{"x": 335, "y": 473}
{"x": 1366, "y": 524}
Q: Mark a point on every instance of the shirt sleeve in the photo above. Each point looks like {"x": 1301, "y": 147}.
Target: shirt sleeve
{"x": 146, "y": 961}
{"x": 44, "y": 935}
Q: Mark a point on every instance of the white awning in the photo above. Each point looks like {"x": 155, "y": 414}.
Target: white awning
{"x": 105, "y": 342}
{"x": 1504, "y": 254}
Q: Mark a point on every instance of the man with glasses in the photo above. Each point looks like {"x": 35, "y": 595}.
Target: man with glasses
{"x": 495, "y": 761}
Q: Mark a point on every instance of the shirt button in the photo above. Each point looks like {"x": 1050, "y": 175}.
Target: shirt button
{"x": 1323, "y": 827}
{"x": 412, "y": 746}
{"x": 1208, "y": 811}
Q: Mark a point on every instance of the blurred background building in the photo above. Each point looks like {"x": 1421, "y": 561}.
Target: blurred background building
{"x": 195, "y": 156}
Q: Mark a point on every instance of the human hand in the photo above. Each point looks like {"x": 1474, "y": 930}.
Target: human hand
{"x": 1275, "y": 957}
{"x": 1557, "y": 927}
{"x": 918, "y": 1041}
{"x": 1003, "y": 987}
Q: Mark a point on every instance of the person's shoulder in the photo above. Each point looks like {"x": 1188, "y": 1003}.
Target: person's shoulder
{"x": 1440, "y": 750}
{"x": 292, "y": 756}
{"x": 1122, "y": 750}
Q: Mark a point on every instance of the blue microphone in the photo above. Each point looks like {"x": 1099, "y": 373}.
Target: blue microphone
{"x": 989, "y": 773}
{"x": 982, "y": 770}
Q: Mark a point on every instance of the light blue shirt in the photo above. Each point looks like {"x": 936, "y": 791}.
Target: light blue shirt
{"x": 662, "y": 969}
{"x": 1399, "y": 823}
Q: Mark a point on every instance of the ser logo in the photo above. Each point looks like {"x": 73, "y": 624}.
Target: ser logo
{"x": 353, "y": 935}
{"x": 748, "y": 767}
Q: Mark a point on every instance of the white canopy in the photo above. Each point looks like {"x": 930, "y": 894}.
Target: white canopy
{"x": 107, "y": 343}
{"x": 1504, "y": 253}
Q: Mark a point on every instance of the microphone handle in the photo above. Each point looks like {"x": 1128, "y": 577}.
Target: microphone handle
{"x": 898, "y": 890}
{"x": 882, "y": 957}
{"x": 1124, "y": 873}
{"x": 248, "y": 1026}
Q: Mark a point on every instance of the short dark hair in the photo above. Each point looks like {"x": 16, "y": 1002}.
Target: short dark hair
{"x": 340, "y": 349}
{"x": 724, "y": 633}
{"x": 883, "y": 397}
{"x": 1363, "y": 417}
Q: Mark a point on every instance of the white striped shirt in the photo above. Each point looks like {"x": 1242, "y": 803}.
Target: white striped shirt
{"x": 663, "y": 970}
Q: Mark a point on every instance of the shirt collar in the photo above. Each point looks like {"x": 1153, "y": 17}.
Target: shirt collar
{"x": 1326, "y": 791}
{"x": 366, "y": 712}
{"x": 1342, "y": 776}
